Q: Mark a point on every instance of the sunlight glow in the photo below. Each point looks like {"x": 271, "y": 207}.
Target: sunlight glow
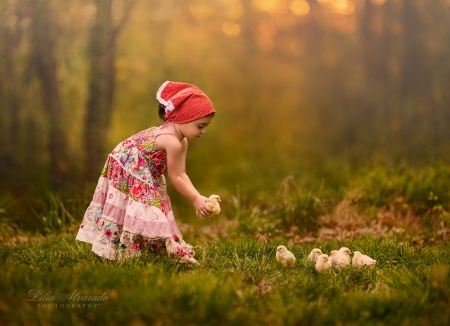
{"x": 273, "y": 6}
{"x": 300, "y": 7}
{"x": 231, "y": 28}
{"x": 264, "y": 5}
{"x": 200, "y": 10}
{"x": 343, "y": 7}
{"x": 378, "y": 2}
{"x": 232, "y": 9}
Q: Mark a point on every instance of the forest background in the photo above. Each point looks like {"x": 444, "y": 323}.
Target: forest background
{"x": 313, "y": 89}
{"x": 332, "y": 129}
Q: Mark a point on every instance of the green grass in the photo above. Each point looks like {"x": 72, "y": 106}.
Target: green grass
{"x": 239, "y": 282}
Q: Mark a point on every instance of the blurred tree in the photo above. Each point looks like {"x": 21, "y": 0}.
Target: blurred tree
{"x": 10, "y": 38}
{"x": 295, "y": 82}
{"x": 44, "y": 61}
{"x": 101, "y": 82}
{"x": 415, "y": 73}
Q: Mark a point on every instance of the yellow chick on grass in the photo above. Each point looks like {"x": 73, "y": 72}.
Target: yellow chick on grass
{"x": 285, "y": 257}
{"x": 360, "y": 260}
{"x": 323, "y": 264}
{"x": 186, "y": 260}
{"x": 341, "y": 258}
{"x": 214, "y": 205}
{"x": 314, "y": 254}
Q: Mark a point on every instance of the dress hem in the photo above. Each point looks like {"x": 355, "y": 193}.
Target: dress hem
{"x": 86, "y": 236}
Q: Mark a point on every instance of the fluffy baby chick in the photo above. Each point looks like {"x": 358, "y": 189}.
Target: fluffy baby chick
{"x": 341, "y": 258}
{"x": 360, "y": 260}
{"x": 188, "y": 261}
{"x": 314, "y": 254}
{"x": 214, "y": 205}
{"x": 285, "y": 257}
{"x": 346, "y": 253}
{"x": 323, "y": 264}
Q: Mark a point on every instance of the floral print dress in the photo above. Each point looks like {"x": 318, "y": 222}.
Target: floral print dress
{"x": 130, "y": 210}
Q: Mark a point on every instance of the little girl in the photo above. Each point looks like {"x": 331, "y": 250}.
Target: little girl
{"x": 130, "y": 210}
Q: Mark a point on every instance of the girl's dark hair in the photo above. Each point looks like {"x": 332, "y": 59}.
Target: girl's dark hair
{"x": 161, "y": 111}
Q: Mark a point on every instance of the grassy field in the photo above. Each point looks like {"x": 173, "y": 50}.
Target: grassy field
{"x": 239, "y": 282}
{"x": 397, "y": 217}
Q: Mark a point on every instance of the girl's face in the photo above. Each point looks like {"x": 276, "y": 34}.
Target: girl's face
{"x": 195, "y": 129}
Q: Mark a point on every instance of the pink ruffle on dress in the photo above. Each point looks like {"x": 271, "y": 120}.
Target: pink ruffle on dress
{"x": 130, "y": 210}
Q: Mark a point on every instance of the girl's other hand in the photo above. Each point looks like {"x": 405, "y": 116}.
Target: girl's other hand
{"x": 201, "y": 206}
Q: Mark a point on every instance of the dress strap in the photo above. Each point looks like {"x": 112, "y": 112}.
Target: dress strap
{"x": 165, "y": 133}
{"x": 156, "y": 134}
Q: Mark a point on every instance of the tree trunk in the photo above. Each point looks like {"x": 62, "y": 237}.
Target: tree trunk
{"x": 9, "y": 101}
{"x": 415, "y": 78}
{"x": 101, "y": 85}
{"x": 45, "y": 63}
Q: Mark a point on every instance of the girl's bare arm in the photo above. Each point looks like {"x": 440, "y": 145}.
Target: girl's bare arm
{"x": 175, "y": 172}
{"x": 184, "y": 176}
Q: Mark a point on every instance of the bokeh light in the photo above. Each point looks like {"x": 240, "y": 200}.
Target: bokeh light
{"x": 273, "y": 6}
{"x": 342, "y": 7}
{"x": 232, "y": 9}
{"x": 200, "y": 10}
{"x": 231, "y": 28}
{"x": 300, "y": 7}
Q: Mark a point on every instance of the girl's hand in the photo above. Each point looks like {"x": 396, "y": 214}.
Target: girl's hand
{"x": 201, "y": 207}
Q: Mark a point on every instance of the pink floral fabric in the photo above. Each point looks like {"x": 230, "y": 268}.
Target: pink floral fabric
{"x": 130, "y": 210}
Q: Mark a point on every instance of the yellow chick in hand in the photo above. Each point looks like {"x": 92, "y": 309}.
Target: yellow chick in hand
{"x": 214, "y": 205}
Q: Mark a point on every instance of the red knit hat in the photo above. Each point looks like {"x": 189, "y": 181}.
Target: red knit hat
{"x": 184, "y": 102}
